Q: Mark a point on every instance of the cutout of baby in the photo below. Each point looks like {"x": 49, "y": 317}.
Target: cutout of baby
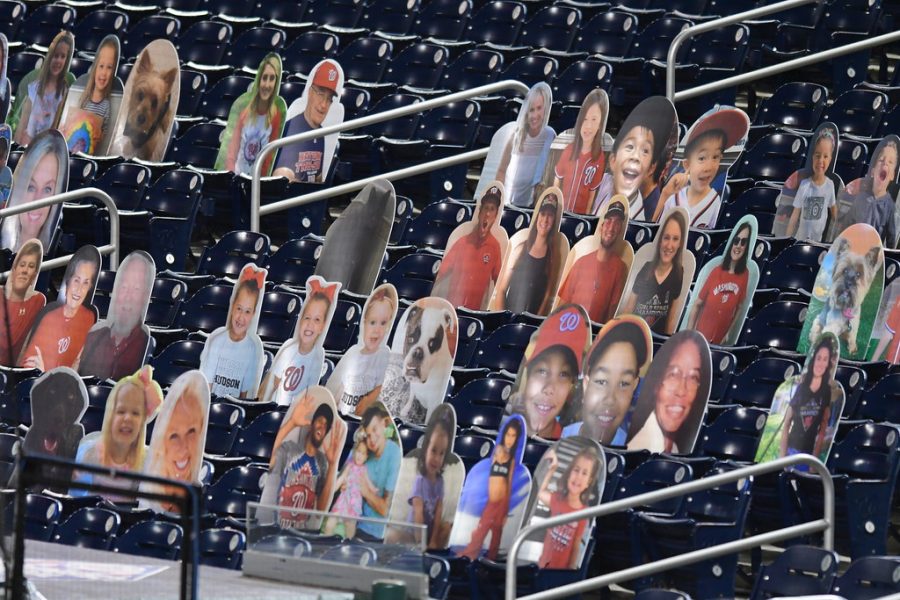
{"x": 421, "y": 360}
{"x": 431, "y": 478}
{"x": 58, "y": 401}
{"x": 256, "y": 118}
{"x": 572, "y": 474}
{"x": 872, "y": 199}
{"x": 807, "y": 201}
{"x": 298, "y": 363}
{"x": 40, "y": 95}
{"x": 597, "y": 267}
{"x": 531, "y": 272}
{"x": 305, "y": 458}
{"x": 806, "y": 407}
{"x": 710, "y": 147}
{"x": 233, "y": 359}
{"x": 61, "y": 328}
{"x": 357, "y": 378}
{"x": 5, "y": 85}
{"x": 661, "y": 275}
{"x": 725, "y": 288}
{"x": 610, "y": 382}
{"x": 474, "y": 255}
{"x": 179, "y": 435}
{"x": 319, "y": 106}
{"x": 117, "y": 345}
{"x": 645, "y": 143}
{"x": 20, "y": 303}
{"x": 548, "y": 375}
{"x": 42, "y": 171}
{"x": 120, "y": 444}
{"x": 93, "y": 102}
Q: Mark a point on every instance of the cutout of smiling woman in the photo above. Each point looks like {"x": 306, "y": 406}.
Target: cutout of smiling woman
{"x": 20, "y": 303}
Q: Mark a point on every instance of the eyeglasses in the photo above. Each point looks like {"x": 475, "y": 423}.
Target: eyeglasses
{"x": 741, "y": 241}
{"x": 675, "y": 376}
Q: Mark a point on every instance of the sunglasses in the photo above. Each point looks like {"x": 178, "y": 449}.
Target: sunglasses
{"x": 741, "y": 241}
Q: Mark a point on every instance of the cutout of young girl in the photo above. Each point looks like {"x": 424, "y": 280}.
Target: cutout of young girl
{"x": 726, "y": 285}
{"x": 549, "y": 372}
{"x": 5, "y": 85}
{"x": 494, "y": 496}
{"x": 673, "y": 397}
{"x": 298, "y": 363}
{"x": 40, "y": 93}
{"x": 352, "y": 480}
{"x": 179, "y": 435}
{"x": 357, "y": 378}
{"x": 421, "y": 360}
{"x": 20, "y": 303}
{"x": 61, "y": 328}
{"x": 572, "y": 476}
{"x": 613, "y": 370}
{"x": 431, "y": 478}
{"x": 120, "y": 443}
{"x": 661, "y": 275}
{"x": 532, "y": 270}
{"x": 232, "y": 358}
{"x": 86, "y": 117}
{"x": 579, "y": 169}
{"x": 806, "y": 211}
{"x": 255, "y": 119}
{"x": 806, "y": 407}
{"x": 710, "y": 147}
{"x": 872, "y": 199}
{"x": 42, "y": 171}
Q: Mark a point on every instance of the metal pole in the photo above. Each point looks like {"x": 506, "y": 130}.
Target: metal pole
{"x": 826, "y": 524}
{"x": 689, "y": 32}
{"x": 787, "y": 66}
{"x": 419, "y": 107}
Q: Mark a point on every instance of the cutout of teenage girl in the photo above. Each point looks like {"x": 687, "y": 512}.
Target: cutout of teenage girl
{"x": 41, "y": 92}
{"x": 93, "y": 102}
{"x": 806, "y": 407}
{"x": 549, "y": 372}
{"x": 41, "y": 172}
{"x": 255, "y": 119}
{"x": 179, "y": 435}
{"x": 120, "y": 443}
{"x": 298, "y": 363}
{"x": 613, "y": 370}
{"x": 726, "y": 285}
{"x": 519, "y": 150}
{"x": 807, "y": 200}
{"x": 872, "y": 199}
{"x": 580, "y": 167}
{"x": 661, "y": 275}
{"x": 20, "y": 303}
{"x": 532, "y": 270}
{"x": 494, "y": 496}
{"x": 5, "y": 85}
{"x": 232, "y": 358}
{"x": 572, "y": 474}
{"x": 672, "y": 402}
{"x": 431, "y": 478}
{"x": 357, "y": 378}
{"x": 61, "y": 328}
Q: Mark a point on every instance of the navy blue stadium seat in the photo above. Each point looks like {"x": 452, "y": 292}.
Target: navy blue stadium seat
{"x": 503, "y": 348}
{"x": 773, "y": 158}
{"x": 146, "y": 30}
{"x": 232, "y": 252}
{"x": 795, "y": 268}
{"x": 193, "y": 84}
{"x": 12, "y": 13}
{"x": 756, "y": 384}
{"x": 253, "y": 45}
{"x": 42, "y": 23}
{"x": 797, "y": 104}
{"x": 659, "y": 594}
{"x": 155, "y": 539}
{"x": 776, "y": 325}
{"x": 413, "y": 275}
{"x": 222, "y": 547}
{"x": 206, "y": 310}
{"x": 342, "y": 332}
{"x": 175, "y": 359}
{"x": 391, "y": 16}
{"x": 42, "y": 515}
{"x": 337, "y": 13}
{"x": 308, "y": 49}
{"x": 799, "y": 571}
{"x": 225, "y": 420}
{"x": 228, "y": 496}
{"x": 552, "y": 28}
{"x": 881, "y": 402}
{"x": 868, "y": 578}
{"x": 365, "y": 59}
{"x": 89, "y": 527}
{"x": 92, "y": 420}
{"x": 217, "y": 100}
{"x": 204, "y": 43}
{"x": 278, "y": 316}
{"x": 734, "y": 435}
{"x": 473, "y": 68}
{"x": 443, "y": 19}
{"x": 165, "y": 300}
{"x": 351, "y": 554}
{"x": 198, "y": 146}
{"x": 498, "y": 22}
{"x": 96, "y": 25}
{"x": 418, "y": 66}
{"x": 126, "y": 182}
{"x": 609, "y": 33}
{"x": 294, "y": 262}
{"x": 857, "y": 112}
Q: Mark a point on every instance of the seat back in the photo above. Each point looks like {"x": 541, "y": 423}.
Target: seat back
{"x": 799, "y": 571}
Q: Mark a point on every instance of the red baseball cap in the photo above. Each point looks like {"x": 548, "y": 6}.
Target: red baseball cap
{"x": 327, "y": 75}
{"x": 569, "y": 326}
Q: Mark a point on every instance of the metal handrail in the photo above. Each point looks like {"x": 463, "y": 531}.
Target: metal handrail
{"x": 825, "y": 524}
{"x": 256, "y": 211}
{"x": 785, "y": 66}
{"x": 112, "y": 248}
{"x": 689, "y": 32}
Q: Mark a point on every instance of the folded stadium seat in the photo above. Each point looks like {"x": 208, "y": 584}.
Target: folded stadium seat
{"x": 230, "y": 8}
{"x": 498, "y": 22}
{"x": 795, "y": 268}
{"x": 42, "y": 23}
{"x": 483, "y": 416}
{"x": 217, "y": 100}
{"x": 437, "y": 568}
{"x": 706, "y": 518}
{"x": 364, "y": 61}
{"x": 890, "y": 122}
{"x": 514, "y": 219}
{"x": 773, "y": 158}
{"x": 193, "y": 85}
{"x": 308, "y": 49}
{"x": 723, "y": 366}
{"x": 609, "y": 34}
{"x": 857, "y": 112}
{"x": 165, "y": 301}
{"x": 530, "y": 70}
{"x": 228, "y": 496}
{"x": 351, "y": 553}
{"x": 206, "y": 310}
{"x": 225, "y": 421}
{"x": 278, "y": 317}
{"x": 757, "y": 201}
{"x": 658, "y": 594}
{"x": 756, "y": 384}
{"x": 284, "y": 544}
{"x": 492, "y": 319}
{"x": 229, "y": 255}
{"x": 868, "y": 578}
{"x": 256, "y": 438}
{"x": 126, "y": 182}
{"x": 393, "y": 17}
{"x": 798, "y": 571}
{"x": 881, "y": 402}
{"x": 504, "y": 348}
{"x": 419, "y": 66}
{"x": 154, "y": 539}
{"x": 90, "y": 527}
{"x": 435, "y": 223}
{"x": 574, "y": 228}
{"x": 8, "y": 444}
{"x": 473, "y": 68}
{"x": 21, "y": 64}
{"x": 204, "y": 43}
{"x": 175, "y": 359}
{"x": 470, "y": 331}
{"x": 96, "y": 25}
{"x": 356, "y": 103}
{"x": 413, "y": 275}
{"x": 294, "y": 262}
{"x": 96, "y": 408}
{"x": 552, "y": 28}
{"x": 248, "y": 50}
{"x": 342, "y": 332}
{"x": 16, "y": 408}
{"x": 222, "y": 548}
{"x": 443, "y": 19}
{"x": 337, "y": 13}
{"x": 776, "y": 325}
{"x": 733, "y": 436}
{"x": 797, "y": 105}
{"x": 410, "y": 436}
{"x": 402, "y": 215}
{"x": 42, "y": 515}
{"x": 12, "y": 13}
{"x": 854, "y": 380}
{"x": 103, "y": 291}
{"x": 198, "y": 146}
{"x": 473, "y": 446}
{"x": 489, "y": 391}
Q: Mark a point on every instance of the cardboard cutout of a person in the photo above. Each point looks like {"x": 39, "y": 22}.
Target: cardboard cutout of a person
{"x": 20, "y": 303}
